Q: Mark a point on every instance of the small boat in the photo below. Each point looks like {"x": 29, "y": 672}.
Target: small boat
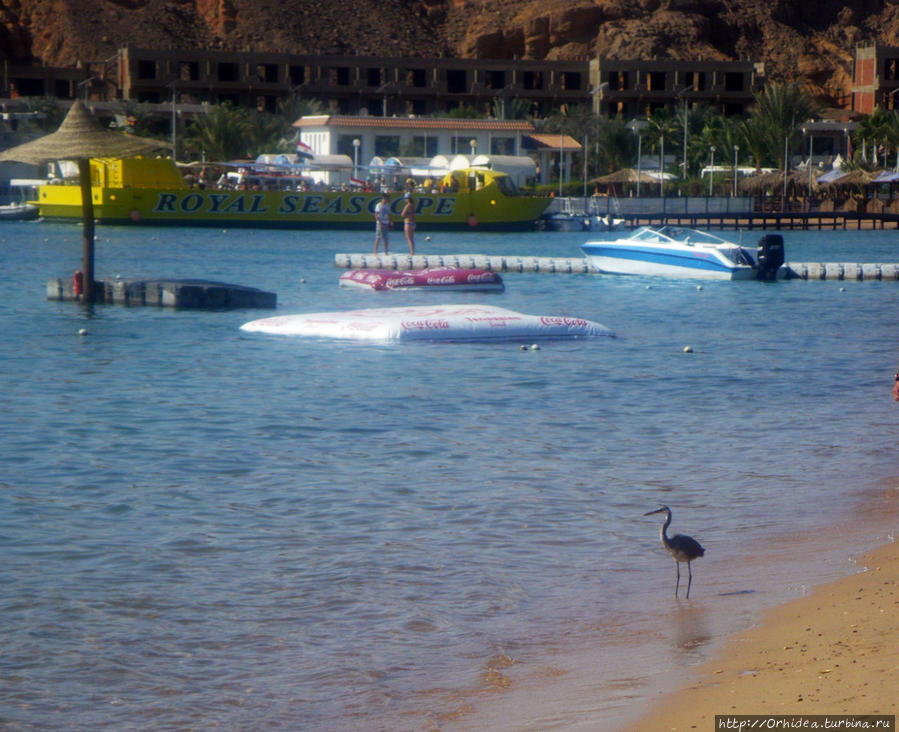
{"x": 433, "y": 278}
{"x": 21, "y": 207}
{"x": 18, "y": 211}
{"x": 564, "y": 218}
{"x": 679, "y": 252}
{"x": 605, "y": 223}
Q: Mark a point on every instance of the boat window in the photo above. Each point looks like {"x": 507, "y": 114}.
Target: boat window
{"x": 506, "y": 185}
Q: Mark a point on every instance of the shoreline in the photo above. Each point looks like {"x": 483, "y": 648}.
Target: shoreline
{"x": 682, "y": 663}
{"x": 834, "y": 651}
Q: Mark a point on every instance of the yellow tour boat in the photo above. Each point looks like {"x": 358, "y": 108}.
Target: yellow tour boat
{"x": 152, "y": 191}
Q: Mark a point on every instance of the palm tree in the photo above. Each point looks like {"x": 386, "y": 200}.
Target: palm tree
{"x": 515, "y": 108}
{"x": 753, "y": 137}
{"x": 781, "y": 108}
{"x": 662, "y": 129}
{"x": 880, "y": 130}
{"x": 616, "y": 145}
{"x": 221, "y": 134}
{"x": 269, "y": 133}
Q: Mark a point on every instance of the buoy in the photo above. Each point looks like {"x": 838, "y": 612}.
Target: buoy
{"x": 134, "y": 215}
{"x": 522, "y": 347}
{"x": 427, "y": 238}
{"x": 82, "y": 331}
{"x": 472, "y": 221}
{"x": 688, "y": 349}
{"x": 698, "y": 287}
{"x": 535, "y": 347}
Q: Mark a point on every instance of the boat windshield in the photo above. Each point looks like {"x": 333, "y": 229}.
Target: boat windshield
{"x": 506, "y": 185}
{"x": 690, "y": 236}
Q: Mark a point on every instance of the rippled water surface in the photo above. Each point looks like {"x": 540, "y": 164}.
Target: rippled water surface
{"x": 199, "y": 528}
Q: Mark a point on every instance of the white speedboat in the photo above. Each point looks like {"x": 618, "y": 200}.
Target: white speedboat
{"x": 678, "y": 252}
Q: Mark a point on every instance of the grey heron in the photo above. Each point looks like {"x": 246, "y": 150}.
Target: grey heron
{"x": 682, "y": 548}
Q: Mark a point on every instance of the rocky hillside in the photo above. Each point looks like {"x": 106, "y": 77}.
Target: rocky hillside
{"x": 810, "y": 39}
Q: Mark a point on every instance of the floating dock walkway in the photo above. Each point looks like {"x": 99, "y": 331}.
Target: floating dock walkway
{"x": 847, "y": 271}
{"x": 573, "y": 265}
{"x": 198, "y": 294}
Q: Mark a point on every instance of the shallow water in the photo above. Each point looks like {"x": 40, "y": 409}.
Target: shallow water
{"x": 201, "y": 528}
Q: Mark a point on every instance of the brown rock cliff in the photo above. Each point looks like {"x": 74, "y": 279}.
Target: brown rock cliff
{"x": 813, "y": 40}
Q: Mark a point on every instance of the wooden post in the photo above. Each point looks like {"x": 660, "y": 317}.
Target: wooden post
{"x": 87, "y": 213}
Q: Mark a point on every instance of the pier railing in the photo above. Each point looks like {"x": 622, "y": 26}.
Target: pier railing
{"x": 720, "y": 212}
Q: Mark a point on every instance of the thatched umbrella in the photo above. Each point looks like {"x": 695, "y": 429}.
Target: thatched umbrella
{"x": 81, "y": 137}
{"x": 757, "y": 185}
{"x": 625, "y": 175}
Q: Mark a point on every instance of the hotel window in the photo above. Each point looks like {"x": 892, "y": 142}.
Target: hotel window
{"x": 456, "y": 81}
{"x": 227, "y": 71}
{"x": 733, "y": 81}
{"x": 422, "y": 146}
{"x": 532, "y": 80}
{"x": 571, "y": 80}
{"x": 387, "y": 146}
{"x": 146, "y": 69}
{"x": 656, "y": 81}
{"x": 502, "y": 146}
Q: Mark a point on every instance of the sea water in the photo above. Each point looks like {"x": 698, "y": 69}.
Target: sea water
{"x": 200, "y": 528}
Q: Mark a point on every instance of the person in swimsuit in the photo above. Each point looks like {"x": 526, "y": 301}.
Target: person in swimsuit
{"x": 408, "y": 214}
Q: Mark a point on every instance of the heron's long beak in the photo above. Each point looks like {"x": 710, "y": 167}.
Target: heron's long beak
{"x": 658, "y": 510}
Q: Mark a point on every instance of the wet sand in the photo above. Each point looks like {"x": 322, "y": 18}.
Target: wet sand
{"x": 835, "y": 651}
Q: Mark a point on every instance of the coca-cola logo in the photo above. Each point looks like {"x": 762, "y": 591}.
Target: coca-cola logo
{"x": 482, "y": 277}
{"x": 425, "y": 324}
{"x": 400, "y": 281}
{"x": 567, "y": 322}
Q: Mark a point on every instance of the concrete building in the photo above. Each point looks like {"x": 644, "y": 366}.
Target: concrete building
{"x": 636, "y": 88}
{"x": 363, "y": 139}
{"x": 875, "y": 78}
{"x": 349, "y": 85}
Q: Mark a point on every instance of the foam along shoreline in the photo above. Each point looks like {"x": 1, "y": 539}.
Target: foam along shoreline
{"x": 835, "y": 651}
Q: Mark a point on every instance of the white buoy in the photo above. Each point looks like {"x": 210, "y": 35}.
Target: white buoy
{"x": 698, "y": 287}
{"x": 535, "y": 347}
{"x": 82, "y": 331}
{"x": 688, "y": 349}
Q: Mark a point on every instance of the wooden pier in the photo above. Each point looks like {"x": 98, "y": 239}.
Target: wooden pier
{"x": 777, "y": 221}
{"x": 192, "y": 294}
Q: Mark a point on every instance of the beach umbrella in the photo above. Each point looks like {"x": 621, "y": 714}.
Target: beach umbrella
{"x": 858, "y": 178}
{"x": 81, "y": 137}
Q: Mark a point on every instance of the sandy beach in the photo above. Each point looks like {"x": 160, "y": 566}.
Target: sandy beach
{"x": 835, "y": 651}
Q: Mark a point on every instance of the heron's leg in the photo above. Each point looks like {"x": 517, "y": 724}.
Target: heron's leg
{"x": 689, "y": 581}
{"x": 677, "y": 586}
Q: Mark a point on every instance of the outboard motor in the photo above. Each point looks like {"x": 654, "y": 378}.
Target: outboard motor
{"x": 770, "y": 256}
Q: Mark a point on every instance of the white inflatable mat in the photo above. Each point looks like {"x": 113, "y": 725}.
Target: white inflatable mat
{"x": 429, "y": 323}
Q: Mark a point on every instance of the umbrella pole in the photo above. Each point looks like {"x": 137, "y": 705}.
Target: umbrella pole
{"x": 87, "y": 213}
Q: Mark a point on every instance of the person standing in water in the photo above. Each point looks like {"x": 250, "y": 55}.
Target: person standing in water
{"x": 382, "y": 222}
{"x": 408, "y": 214}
